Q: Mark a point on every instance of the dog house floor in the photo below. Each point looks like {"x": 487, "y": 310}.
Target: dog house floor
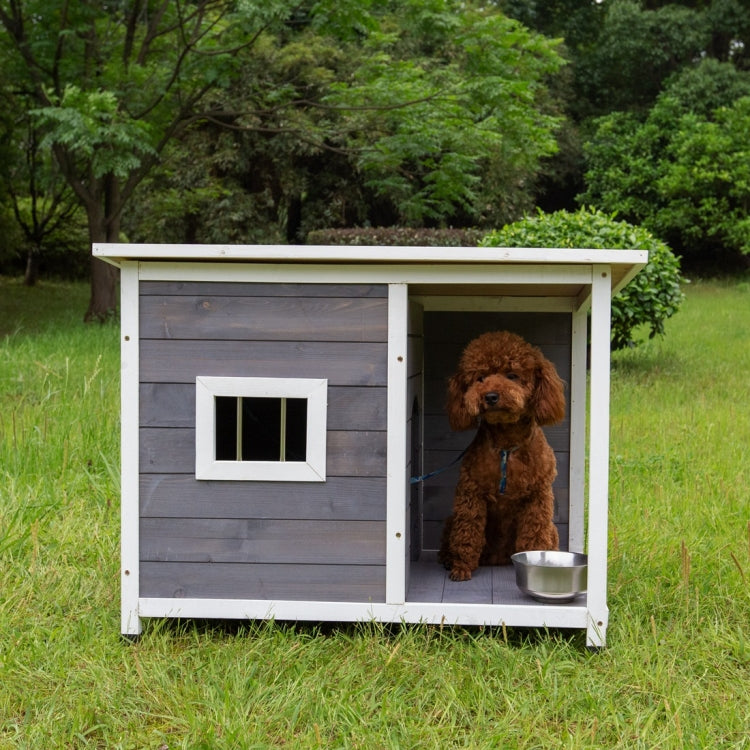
{"x": 429, "y": 582}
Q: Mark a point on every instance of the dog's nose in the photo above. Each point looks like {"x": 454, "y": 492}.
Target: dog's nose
{"x": 491, "y": 398}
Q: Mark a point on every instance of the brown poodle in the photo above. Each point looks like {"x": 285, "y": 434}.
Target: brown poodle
{"x": 504, "y": 501}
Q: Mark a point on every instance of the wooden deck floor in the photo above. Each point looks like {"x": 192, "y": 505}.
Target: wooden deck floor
{"x": 429, "y": 582}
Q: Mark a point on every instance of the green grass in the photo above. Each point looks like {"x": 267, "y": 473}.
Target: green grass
{"x": 676, "y": 672}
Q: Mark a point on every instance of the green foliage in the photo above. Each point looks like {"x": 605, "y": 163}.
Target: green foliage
{"x": 652, "y": 297}
{"x": 352, "y": 113}
{"x": 197, "y": 195}
{"x": 446, "y": 110}
{"x": 636, "y": 50}
{"x": 396, "y": 236}
{"x": 682, "y": 172}
{"x": 92, "y": 126}
{"x": 705, "y": 183}
{"x": 62, "y": 246}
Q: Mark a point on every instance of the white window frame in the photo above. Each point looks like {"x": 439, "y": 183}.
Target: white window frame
{"x": 315, "y": 391}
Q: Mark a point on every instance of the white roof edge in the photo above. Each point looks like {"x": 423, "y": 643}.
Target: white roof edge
{"x": 119, "y": 252}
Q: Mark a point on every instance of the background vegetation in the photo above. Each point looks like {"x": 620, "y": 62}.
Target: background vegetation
{"x": 236, "y": 121}
{"x": 675, "y": 674}
{"x": 648, "y": 300}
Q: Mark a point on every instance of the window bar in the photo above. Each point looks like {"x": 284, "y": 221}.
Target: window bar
{"x": 239, "y": 428}
{"x": 282, "y": 431}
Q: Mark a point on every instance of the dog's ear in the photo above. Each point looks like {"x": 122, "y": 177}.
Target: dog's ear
{"x": 548, "y": 399}
{"x": 458, "y": 416}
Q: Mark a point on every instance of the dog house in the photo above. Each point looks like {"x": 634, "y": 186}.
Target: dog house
{"x": 277, "y": 401}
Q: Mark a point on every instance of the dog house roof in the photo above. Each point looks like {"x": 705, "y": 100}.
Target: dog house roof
{"x": 410, "y": 262}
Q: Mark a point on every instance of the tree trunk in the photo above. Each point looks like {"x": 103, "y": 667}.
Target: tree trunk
{"x": 104, "y": 226}
{"x": 103, "y": 300}
{"x": 32, "y": 268}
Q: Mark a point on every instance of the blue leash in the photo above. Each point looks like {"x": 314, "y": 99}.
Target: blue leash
{"x": 503, "y": 469}
{"x": 417, "y": 480}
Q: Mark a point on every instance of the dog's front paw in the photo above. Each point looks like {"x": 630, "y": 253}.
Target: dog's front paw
{"x": 460, "y": 574}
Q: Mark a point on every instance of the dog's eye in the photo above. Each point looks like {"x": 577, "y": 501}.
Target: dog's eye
{"x": 511, "y": 376}
{"x": 480, "y": 379}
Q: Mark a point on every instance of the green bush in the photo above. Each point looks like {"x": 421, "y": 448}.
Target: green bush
{"x": 396, "y": 236}
{"x": 650, "y": 298}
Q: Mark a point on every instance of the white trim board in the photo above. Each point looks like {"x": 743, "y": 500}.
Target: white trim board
{"x": 449, "y": 613}
{"x": 118, "y": 252}
{"x": 459, "y": 273}
{"x": 129, "y": 450}
{"x": 396, "y": 458}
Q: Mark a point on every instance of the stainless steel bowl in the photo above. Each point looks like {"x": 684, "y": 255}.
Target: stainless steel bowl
{"x": 551, "y": 576}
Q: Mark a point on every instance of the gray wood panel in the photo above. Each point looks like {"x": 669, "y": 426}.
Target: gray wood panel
{"x": 264, "y": 318}
{"x": 264, "y": 540}
{"x": 537, "y": 328}
{"x": 340, "y": 583}
{"x": 340, "y": 498}
{"x": 361, "y": 454}
{"x": 173, "y": 405}
{"x": 235, "y": 540}
{"x": 341, "y": 363}
{"x": 172, "y": 451}
{"x": 357, "y": 408}
{"x": 252, "y": 289}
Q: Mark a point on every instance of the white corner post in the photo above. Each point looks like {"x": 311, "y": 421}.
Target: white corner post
{"x": 601, "y": 293}
{"x": 578, "y": 393}
{"x": 129, "y": 465}
{"x": 396, "y": 458}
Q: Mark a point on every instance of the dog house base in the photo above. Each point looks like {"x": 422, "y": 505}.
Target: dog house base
{"x": 320, "y": 521}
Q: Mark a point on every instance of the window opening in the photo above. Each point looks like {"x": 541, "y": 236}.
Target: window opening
{"x": 261, "y": 429}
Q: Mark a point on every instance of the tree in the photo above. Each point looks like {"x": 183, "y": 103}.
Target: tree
{"x": 480, "y": 122}
{"x": 636, "y": 51}
{"x": 682, "y": 171}
{"x": 621, "y": 55}
{"x": 113, "y": 84}
{"x": 41, "y": 201}
{"x": 420, "y": 112}
{"x": 432, "y": 113}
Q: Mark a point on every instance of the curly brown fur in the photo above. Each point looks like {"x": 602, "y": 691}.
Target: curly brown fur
{"x": 506, "y": 388}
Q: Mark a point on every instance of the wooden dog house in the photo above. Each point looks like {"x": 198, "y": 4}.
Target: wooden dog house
{"x": 276, "y": 401}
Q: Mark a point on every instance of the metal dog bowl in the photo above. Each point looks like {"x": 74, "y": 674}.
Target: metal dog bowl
{"x": 551, "y": 576}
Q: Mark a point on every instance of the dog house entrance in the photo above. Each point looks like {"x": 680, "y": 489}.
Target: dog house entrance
{"x": 444, "y": 336}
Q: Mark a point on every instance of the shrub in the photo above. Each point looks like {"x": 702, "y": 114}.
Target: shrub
{"x": 650, "y": 298}
{"x": 396, "y": 236}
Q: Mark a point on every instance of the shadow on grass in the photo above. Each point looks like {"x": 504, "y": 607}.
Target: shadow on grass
{"x": 650, "y": 360}
{"x": 218, "y": 629}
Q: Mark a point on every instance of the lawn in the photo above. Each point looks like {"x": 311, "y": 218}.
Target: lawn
{"x": 676, "y": 672}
